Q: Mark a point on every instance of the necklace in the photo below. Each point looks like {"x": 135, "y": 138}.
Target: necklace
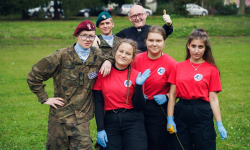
{"x": 195, "y": 68}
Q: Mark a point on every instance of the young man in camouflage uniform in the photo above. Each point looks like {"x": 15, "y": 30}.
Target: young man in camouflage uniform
{"x": 108, "y": 40}
{"x": 74, "y": 70}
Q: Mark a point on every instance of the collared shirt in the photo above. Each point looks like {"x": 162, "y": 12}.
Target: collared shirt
{"x": 109, "y": 39}
{"x": 81, "y": 52}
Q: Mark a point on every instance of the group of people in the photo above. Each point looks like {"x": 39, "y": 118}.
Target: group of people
{"x": 131, "y": 86}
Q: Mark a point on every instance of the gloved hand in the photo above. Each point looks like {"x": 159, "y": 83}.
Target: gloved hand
{"x": 171, "y": 126}
{"x": 96, "y": 42}
{"x": 160, "y": 99}
{"x": 142, "y": 78}
{"x": 222, "y": 130}
{"x": 167, "y": 20}
{"x": 102, "y": 138}
{"x": 145, "y": 97}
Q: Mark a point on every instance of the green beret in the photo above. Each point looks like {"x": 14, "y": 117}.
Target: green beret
{"x": 102, "y": 16}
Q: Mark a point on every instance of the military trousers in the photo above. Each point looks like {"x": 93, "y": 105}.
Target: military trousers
{"x": 72, "y": 136}
{"x": 155, "y": 124}
{"x": 195, "y": 126}
{"x": 125, "y": 130}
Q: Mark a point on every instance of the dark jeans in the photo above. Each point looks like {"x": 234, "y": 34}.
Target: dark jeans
{"x": 195, "y": 126}
{"x": 155, "y": 124}
{"x": 125, "y": 130}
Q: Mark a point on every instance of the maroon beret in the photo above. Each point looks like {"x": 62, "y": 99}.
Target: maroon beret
{"x": 86, "y": 25}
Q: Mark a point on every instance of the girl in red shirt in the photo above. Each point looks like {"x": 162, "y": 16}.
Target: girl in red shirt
{"x": 196, "y": 82}
{"x": 120, "y": 95}
{"x": 156, "y": 87}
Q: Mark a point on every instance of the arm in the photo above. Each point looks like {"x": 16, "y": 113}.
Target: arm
{"x": 172, "y": 100}
{"x": 102, "y": 138}
{"x": 42, "y": 71}
{"x": 168, "y": 29}
{"x": 214, "y": 103}
{"x": 171, "y": 126}
{"x": 121, "y": 34}
{"x": 138, "y": 98}
{"x": 99, "y": 109}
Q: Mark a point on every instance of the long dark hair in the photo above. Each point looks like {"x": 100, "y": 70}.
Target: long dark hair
{"x": 201, "y": 34}
{"x": 135, "y": 50}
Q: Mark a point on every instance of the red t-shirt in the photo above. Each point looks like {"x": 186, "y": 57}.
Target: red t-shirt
{"x": 194, "y": 84}
{"x": 114, "y": 88}
{"x": 160, "y": 71}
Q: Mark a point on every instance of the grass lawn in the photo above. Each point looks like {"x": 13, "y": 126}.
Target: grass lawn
{"x": 23, "y": 121}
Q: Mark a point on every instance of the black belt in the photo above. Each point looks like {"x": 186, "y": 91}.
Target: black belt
{"x": 119, "y": 110}
{"x": 193, "y": 102}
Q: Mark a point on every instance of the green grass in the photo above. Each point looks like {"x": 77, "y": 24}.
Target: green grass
{"x": 23, "y": 121}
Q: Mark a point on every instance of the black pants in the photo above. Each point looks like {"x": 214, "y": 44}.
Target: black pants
{"x": 125, "y": 130}
{"x": 195, "y": 126}
{"x": 155, "y": 124}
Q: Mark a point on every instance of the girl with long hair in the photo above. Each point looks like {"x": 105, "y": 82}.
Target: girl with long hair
{"x": 120, "y": 95}
{"x": 196, "y": 82}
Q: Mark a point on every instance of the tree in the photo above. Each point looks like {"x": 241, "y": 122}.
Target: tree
{"x": 119, "y": 2}
{"x": 242, "y": 8}
{"x": 8, "y": 7}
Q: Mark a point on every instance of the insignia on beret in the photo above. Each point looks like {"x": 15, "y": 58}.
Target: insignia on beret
{"x": 103, "y": 16}
{"x": 89, "y": 26}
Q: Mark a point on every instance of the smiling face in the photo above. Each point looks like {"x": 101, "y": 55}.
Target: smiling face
{"x": 155, "y": 44}
{"x": 85, "y": 42}
{"x": 137, "y": 16}
{"x": 106, "y": 26}
{"x": 196, "y": 49}
{"x": 123, "y": 56}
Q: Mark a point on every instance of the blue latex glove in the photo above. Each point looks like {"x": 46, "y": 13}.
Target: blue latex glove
{"x": 160, "y": 99}
{"x": 222, "y": 130}
{"x": 102, "y": 138}
{"x": 142, "y": 78}
{"x": 145, "y": 97}
{"x": 171, "y": 126}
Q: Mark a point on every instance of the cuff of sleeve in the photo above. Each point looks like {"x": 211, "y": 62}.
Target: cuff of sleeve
{"x": 43, "y": 97}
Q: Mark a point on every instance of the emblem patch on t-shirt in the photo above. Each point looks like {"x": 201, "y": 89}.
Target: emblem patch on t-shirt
{"x": 126, "y": 82}
{"x": 93, "y": 75}
{"x": 161, "y": 71}
{"x": 198, "y": 77}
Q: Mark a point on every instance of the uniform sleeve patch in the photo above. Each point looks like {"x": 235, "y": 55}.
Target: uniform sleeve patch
{"x": 93, "y": 75}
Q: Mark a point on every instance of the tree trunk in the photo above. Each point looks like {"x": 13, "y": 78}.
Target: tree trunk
{"x": 56, "y": 13}
{"x": 242, "y": 8}
{"x": 143, "y": 2}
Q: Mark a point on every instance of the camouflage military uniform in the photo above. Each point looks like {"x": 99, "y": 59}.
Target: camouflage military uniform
{"x": 73, "y": 81}
{"x": 106, "y": 48}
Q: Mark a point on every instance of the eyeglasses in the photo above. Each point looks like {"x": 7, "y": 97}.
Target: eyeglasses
{"x": 84, "y": 37}
{"x": 138, "y": 15}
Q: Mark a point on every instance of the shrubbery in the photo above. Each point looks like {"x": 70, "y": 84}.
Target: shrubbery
{"x": 222, "y": 9}
{"x": 167, "y": 6}
{"x": 247, "y": 9}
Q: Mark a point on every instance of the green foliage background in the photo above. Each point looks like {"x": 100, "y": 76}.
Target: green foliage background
{"x": 23, "y": 120}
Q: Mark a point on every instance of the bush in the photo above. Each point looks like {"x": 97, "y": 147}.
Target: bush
{"x": 247, "y": 9}
{"x": 167, "y": 6}
{"x": 222, "y": 9}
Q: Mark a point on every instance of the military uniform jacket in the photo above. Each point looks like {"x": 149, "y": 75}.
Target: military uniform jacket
{"x": 73, "y": 81}
{"x": 106, "y": 48}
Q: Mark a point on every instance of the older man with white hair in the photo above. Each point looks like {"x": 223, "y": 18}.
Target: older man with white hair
{"x": 137, "y": 16}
